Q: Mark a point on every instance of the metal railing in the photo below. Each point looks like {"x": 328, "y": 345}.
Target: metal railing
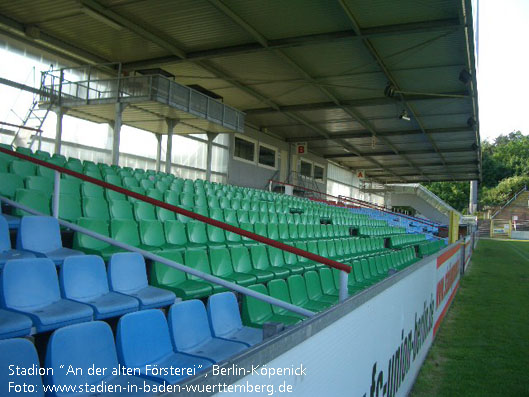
{"x": 357, "y": 202}
{"x": 509, "y": 201}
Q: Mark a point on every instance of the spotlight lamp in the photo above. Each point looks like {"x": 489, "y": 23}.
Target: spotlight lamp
{"x": 404, "y": 115}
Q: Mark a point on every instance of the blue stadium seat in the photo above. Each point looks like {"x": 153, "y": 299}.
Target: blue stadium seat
{"x": 6, "y": 253}
{"x": 14, "y": 324}
{"x": 143, "y": 338}
{"x": 86, "y": 345}
{"x": 188, "y": 323}
{"x": 84, "y": 279}
{"x": 225, "y": 320}
{"x": 12, "y": 221}
{"x": 31, "y": 286}
{"x": 42, "y": 236}
{"x": 19, "y": 353}
{"x": 127, "y": 275}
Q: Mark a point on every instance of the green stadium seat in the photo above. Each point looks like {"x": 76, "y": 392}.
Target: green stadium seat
{"x": 328, "y": 286}
{"x": 222, "y": 267}
{"x": 91, "y": 245}
{"x": 277, "y": 259}
{"x": 22, "y": 168}
{"x": 196, "y": 235}
{"x": 96, "y": 208}
{"x": 279, "y": 289}
{"x": 299, "y": 296}
{"x": 217, "y": 214}
{"x": 126, "y": 231}
{"x": 155, "y": 194}
{"x": 71, "y": 186}
{"x": 198, "y": 259}
{"x": 144, "y": 211}
{"x": 34, "y": 199}
{"x": 256, "y": 312}
{"x": 307, "y": 264}
{"x": 216, "y": 236}
{"x": 242, "y": 264}
{"x": 152, "y": 236}
{"x": 120, "y": 209}
{"x": 260, "y": 261}
{"x": 9, "y": 184}
{"x": 90, "y": 190}
{"x": 314, "y": 289}
{"x": 172, "y": 279}
{"x": 45, "y": 172}
{"x": 69, "y": 208}
{"x": 241, "y": 216}
{"x": 175, "y": 234}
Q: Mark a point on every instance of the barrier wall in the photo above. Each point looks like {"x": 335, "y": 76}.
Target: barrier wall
{"x": 373, "y": 344}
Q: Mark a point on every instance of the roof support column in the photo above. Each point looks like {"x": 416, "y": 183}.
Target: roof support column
{"x": 60, "y": 112}
{"x": 116, "y": 132}
{"x": 211, "y": 137}
{"x": 171, "y": 123}
{"x": 158, "y": 152}
{"x": 473, "y": 204}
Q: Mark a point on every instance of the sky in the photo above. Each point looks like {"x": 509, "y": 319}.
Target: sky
{"x": 503, "y": 67}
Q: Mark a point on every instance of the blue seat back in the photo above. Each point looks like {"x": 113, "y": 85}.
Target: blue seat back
{"x": 188, "y": 323}
{"x": 81, "y": 346}
{"x": 5, "y": 242}
{"x": 126, "y": 272}
{"x": 19, "y": 353}
{"x": 223, "y": 314}
{"x": 83, "y": 277}
{"x": 39, "y": 233}
{"x": 142, "y": 337}
{"x": 29, "y": 284}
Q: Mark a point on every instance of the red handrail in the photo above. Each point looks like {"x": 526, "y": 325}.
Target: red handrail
{"x": 178, "y": 210}
{"x": 20, "y": 126}
{"x": 356, "y": 201}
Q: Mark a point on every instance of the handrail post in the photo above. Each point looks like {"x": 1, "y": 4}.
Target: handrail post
{"x": 343, "y": 293}
{"x": 56, "y": 193}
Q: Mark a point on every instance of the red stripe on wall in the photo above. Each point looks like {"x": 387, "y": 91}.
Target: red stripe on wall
{"x": 442, "y": 315}
{"x": 447, "y": 255}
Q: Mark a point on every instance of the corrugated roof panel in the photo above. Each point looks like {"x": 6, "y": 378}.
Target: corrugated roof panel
{"x": 382, "y": 12}
{"x": 101, "y": 39}
{"x": 194, "y": 25}
{"x": 348, "y": 56}
{"x": 37, "y": 10}
{"x": 421, "y": 50}
{"x": 278, "y": 18}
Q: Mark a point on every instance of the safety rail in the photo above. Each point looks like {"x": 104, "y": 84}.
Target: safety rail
{"x": 509, "y": 201}
{"x": 355, "y": 201}
{"x": 176, "y": 265}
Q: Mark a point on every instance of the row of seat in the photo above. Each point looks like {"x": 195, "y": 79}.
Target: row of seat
{"x": 405, "y": 239}
{"x": 430, "y": 247}
{"x": 85, "y": 290}
{"x": 372, "y": 231}
{"x": 318, "y": 290}
{"x": 190, "y": 340}
{"x": 171, "y": 235}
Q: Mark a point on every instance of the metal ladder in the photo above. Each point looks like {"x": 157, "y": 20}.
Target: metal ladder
{"x": 34, "y": 118}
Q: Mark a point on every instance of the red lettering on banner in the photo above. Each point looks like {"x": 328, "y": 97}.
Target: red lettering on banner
{"x": 445, "y": 284}
{"x": 447, "y": 255}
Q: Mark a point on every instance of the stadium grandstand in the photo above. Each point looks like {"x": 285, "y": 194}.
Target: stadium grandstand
{"x": 223, "y": 196}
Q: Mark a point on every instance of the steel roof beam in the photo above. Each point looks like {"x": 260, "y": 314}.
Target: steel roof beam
{"x": 407, "y": 152}
{"x": 352, "y": 103}
{"x": 367, "y": 134}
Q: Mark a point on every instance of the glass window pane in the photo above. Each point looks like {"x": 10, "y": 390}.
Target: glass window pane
{"x": 267, "y": 156}
{"x": 305, "y": 169}
{"x": 244, "y": 149}
{"x": 318, "y": 172}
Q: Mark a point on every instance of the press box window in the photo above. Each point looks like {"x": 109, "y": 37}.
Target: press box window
{"x": 267, "y": 156}
{"x": 244, "y": 149}
{"x": 305, "y": 169}
{"x": 318, "y": 173}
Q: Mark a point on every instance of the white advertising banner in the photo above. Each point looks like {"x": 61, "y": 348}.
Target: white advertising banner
{"x": 376, "y": 349}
